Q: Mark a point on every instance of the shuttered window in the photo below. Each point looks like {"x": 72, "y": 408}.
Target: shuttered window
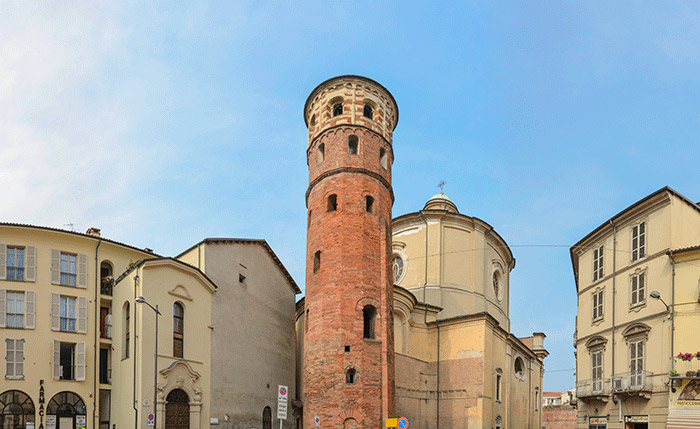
{"x": 14, "y": 358}
{"x": 67, "y": 313}
{"x": 597, "y": 366}
{"x": 638, "y": 289}
{"x": 639, "y": 241}
{"x": 15, "y": 263}
{"x": 68, "y": 269}
{"x": 637, "y": 363}
{"x": 598, "y": 304}
{"x": 17, "y": 309}
{"x": 598, "y": 263}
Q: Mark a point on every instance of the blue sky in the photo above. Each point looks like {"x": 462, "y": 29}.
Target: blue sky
{"x": 163, "y": 124}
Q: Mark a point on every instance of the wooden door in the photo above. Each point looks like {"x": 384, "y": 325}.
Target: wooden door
{"x": 177, "y": 410}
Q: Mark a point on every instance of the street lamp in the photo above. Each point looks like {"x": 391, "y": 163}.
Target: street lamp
{"x": 142, "y": 300}
{"x": 656, "y": 295}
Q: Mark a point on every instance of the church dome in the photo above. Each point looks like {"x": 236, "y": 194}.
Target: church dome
{"x": 441, "y": 202}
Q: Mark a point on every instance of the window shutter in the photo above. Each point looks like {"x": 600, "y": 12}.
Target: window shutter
{"x": 30, "y": 264}
{"x": 3, "y": 308}
{"x": 19, "y": 358}
{"x": 55, "y": 267}
{"x": 80, "y": 362}
{"x": 56, "y": 360}
{"x": 82, "y": 271}
{"x": 82, "y": 315}
{"x": 55, "y": 312}
{"x": 9, "y": 357}
{"x": 3, "y": 261}
{"x": 29, "y": 310}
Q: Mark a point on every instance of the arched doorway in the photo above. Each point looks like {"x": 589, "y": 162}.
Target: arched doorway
{"x": 177, "y": 410}
{"x": 68, "y": 409}
{"x": 16, "y": 410}
{"x": 350, "y": 423}
{"x": 267, "y": 418}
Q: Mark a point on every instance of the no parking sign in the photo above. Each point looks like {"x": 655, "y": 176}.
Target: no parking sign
{"x": 402, "y": 423}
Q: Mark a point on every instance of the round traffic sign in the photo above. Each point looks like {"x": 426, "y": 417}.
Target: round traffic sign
{"x": 283, "y": 390}
{"x": 402, "y": 423}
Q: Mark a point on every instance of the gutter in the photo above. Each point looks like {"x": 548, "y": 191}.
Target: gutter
{"x": 673, "y": 303}
{"x": 133, "y": 340}
{"x": 614, "y": 293}
{"x": 97, "y": 329}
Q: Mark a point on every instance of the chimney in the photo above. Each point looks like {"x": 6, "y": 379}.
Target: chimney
{"x": 95, "y": 232}
{"x": 538, "y": 345}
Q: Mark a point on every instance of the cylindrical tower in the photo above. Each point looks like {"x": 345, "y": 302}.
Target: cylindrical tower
{"x": 348, "y": 343}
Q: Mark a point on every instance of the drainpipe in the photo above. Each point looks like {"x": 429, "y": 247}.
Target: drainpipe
{"x": 673, "y": 303}
{"x": 614, "y": 292}
{"x": 437, "y": 398}
{"x": 96, "y": 342}
{"x": 425, "y": 281}
{"x": 133, "y": 340}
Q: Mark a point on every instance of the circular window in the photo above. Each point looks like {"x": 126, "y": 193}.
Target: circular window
{"x": 398, "y": 267}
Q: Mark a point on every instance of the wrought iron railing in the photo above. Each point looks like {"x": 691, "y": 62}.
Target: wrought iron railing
{"x": 632, "y": 381}
{"x": 687, "y": 368}
{"x": 586, "y": 388}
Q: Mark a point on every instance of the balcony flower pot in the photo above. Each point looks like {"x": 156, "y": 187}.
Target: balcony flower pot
{"x": 690, "y": 373}
{"x": 673, "y": 373}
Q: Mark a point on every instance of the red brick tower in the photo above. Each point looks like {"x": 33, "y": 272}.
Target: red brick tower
{"x": 348, "y": 343}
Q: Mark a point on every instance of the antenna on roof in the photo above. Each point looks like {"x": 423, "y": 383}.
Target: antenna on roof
{"x": 71, "y": 226}
{"x": 441, "y": 185}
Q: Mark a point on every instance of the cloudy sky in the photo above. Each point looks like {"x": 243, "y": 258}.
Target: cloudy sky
{"x": 163, "y": 125}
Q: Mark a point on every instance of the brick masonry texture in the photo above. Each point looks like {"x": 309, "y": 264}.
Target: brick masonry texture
{"x": 354, "y": 264}
{"x": 559, "y": 417}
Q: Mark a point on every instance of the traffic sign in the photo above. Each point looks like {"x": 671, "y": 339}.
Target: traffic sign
{"x": 391, "y": 423}
{"x": 402, "y": 423}
{"x": 150, "y": 419}
{"x": 282, "y": 398}
{"x": 317, "y": 421}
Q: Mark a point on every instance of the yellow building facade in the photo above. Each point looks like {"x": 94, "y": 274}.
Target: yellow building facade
{"x": 637, "y": 310}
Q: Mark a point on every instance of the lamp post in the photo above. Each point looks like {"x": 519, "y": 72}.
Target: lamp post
{"x": 142, "y": 300}
{"x": 656, "y": 295}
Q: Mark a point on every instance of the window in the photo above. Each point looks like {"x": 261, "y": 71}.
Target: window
{"x": 107, "y": 280}
{"x": 347, "y": 349}
{"x": 67, "y": 313}
{"x": 15, "y": 263}
{"x": 313, "y": 120}
{"x": 317, "y": 261}
{"x": 68, "y": 269}
{"x": 598, "y": 263}
{"x": 597, "y": 370}
{"x": 498, "y": 387}
{"x": 537, "y": 397}
{"x": 637, "y": 363}
{"x": 397, "y": 266}
{"x": 368, "y": 112}
{"x": 321, "y": 153}
{"x": 518, "y": 368}
{"x": 499, "y": 422}
{"x": 353, "y": 144}
{"x": 16, "y": 410}
{"x": 178, "y": 329}
{"x": 598, "y": 304}
{"x": 15, "y": 310}
{"x": 369, "y": 203}
{"x": 127, "y": 329}
{"x": 369, "y": 314}
{"x": 383, "y": 158}
{"x": 337, "y": 109}
{"x": 67, "y": 361}
{"x": 350, "y": 376}
{"x": 267, "y": 418}
{"x": 639, "y": 241}
{"x": 332, "y": 203}
{"x": 638, "y": 289}
{"x": 14, "y": 358}
{"x": 496, "y": 280}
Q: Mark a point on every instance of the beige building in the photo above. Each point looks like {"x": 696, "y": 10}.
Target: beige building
{"x": 455, "y": 358}
{"x": 627, "y": 340}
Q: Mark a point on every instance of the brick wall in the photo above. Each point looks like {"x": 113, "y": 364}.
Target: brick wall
{"x": 558, "y": 417}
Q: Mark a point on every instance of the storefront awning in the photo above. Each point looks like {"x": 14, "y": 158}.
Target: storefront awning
{"x": 683, "y": 418}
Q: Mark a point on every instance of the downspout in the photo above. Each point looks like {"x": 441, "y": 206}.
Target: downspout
{"x": 96, "y": 342}
{"x": 425, "y": 281}
{"x": 529, "y": 390}
{"x": 133, "y": 340}
{"x": 425, "y": 318}
{"x": 437, "y": 398}
{"x": 614, "y": 292}
{"x": 673, "y": 303}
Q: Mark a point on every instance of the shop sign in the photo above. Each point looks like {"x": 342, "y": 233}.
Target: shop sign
{"x": 688, "y": 403}
{"x": 597, "y": 420}
{"x": 636, "y": 419}
{"x": 41, "y": 406}
{"x": 50, "y": 422}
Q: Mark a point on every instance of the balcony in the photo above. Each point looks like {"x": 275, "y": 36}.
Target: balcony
{"x": 636, "y": 383}
{"x": 105, "y": 324}
{"x": 593, "y": 389}
{"x": 106, "y": 287}
{"x": 687, "y": 368}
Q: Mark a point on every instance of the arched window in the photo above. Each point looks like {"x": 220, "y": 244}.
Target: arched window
{"x": 368, "y": 111}
{"x": 317, "y": 260}
{"x": 518, "y": 368}
{"x": 267, "y": 418}
{"x": 496, "y": 280}
{"x": 127, "y": 329}
{"x": 338, "y": 109}
{"x": 397, "y": 266}
{"x": 321, "y": 153}
{"x": 350, "y": 376}
{"x": 178, "y": 329}
{"x": 16, "y": 409}
{"x": 107, "y": 278}
{"x": 66, "y": 404}
{"x": 353, "y": 144}
{"x": 332, "y": 202}
{"x": 369, "y": 315}
{"x": 369, "y": 203}
{"x": 383, "y": 158}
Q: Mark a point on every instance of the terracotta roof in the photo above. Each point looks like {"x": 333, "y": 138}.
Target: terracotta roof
{"x": 259, "y": 241}
{"x": 685, "y": 249}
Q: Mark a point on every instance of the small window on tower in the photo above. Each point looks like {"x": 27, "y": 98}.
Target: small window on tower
{"x": 368, "y": 112}
{"x": 321, "y": 153}
{"x": 332, "y": 202}
{"x": 383, "y": 158}
{"x": 353, "y": 143}
{"x": 317, "y": 261}
{"x": 313, "y": 120}
{"x": 337, "y": 109}
{"x": 350, "y": 376}
{"x": 369, "y": 203}
{"x": 369, "y": 314}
